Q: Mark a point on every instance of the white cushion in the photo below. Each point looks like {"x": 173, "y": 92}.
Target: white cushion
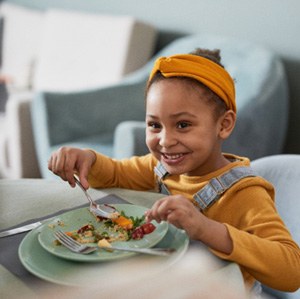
{"x": 21, "y": 37}
{"x": 83, "y": 50}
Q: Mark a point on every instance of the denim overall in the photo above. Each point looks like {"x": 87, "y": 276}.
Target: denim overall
{"x": 213, "y": 190}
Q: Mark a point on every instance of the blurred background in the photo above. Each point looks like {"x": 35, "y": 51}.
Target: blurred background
{"x": 271, "y": 24}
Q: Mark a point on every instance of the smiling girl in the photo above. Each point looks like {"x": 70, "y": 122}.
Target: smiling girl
{"x": 215, "y": 197}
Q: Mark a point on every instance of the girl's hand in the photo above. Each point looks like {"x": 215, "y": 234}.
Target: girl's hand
{"x": 181, "y": 212}
{"x": 67, "y": 161}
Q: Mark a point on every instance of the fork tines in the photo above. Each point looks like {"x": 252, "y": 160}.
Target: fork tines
{"x": 66, "y": 240}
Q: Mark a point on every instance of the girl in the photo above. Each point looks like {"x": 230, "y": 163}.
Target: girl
{"x": 215, "y": 197}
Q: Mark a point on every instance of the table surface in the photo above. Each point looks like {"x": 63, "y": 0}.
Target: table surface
{"x": 25, "y": 199}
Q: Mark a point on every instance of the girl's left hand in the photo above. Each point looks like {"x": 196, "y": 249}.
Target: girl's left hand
{"x": 179, "y": 211}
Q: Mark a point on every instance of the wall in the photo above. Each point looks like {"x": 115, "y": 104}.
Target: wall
{"x": 272, "y": 23}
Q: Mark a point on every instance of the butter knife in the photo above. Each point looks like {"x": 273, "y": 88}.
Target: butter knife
{"x": 30, "y": 226}
{"x": 21, "y": 229}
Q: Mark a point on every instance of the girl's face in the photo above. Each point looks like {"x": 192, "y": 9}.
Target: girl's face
{"x": 182, "y": 131}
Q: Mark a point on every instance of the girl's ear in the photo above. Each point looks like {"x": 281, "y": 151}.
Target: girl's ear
{"x": 227, "y": 123}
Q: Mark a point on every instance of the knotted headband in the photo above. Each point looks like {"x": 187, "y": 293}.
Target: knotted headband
{"x": 202, "y": 69}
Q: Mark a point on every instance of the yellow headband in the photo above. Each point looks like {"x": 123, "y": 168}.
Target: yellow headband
{"x": 202, "y": 69}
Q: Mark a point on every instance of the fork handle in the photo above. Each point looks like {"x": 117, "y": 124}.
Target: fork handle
{"x": 153, "y": 251}
{"x": 85, "y": 192}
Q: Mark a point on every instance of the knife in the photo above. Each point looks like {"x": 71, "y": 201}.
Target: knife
{"x": 30, "y": 226}
{"x": 20, "y": 229}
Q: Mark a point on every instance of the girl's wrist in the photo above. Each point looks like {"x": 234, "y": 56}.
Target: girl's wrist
{"x": 216, "y": 236}
{"x": 92, "y": 154}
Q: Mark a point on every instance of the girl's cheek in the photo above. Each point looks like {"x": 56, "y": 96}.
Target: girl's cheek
{"x": 151, "y": 140}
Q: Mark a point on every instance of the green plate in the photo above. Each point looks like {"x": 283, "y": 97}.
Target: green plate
{"x": 75, "y": 219}
{"x": 48, "y": 267}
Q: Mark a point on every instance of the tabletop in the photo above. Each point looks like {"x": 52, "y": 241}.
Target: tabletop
{"x": 26, "y": 199}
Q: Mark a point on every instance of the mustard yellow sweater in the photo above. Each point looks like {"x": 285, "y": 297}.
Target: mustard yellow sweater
{"x": 262, "y": 245}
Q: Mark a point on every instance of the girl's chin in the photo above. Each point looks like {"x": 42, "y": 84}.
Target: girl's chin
{"x": 174, "y": 170}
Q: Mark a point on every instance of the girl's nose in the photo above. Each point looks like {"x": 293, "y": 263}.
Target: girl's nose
{"x": 167, "y": 139}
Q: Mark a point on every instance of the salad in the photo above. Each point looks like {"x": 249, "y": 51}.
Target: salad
{"x": 123, "y": 228}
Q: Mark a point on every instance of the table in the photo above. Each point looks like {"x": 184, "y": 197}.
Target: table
{"x": 25, "y": 199}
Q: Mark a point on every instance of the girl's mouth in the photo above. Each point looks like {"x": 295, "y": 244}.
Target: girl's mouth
{"x": 172, "y": 159}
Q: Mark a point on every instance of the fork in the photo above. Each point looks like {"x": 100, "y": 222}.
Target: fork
{"x": 98, "y": 210}
{"x": 75, "y": 246}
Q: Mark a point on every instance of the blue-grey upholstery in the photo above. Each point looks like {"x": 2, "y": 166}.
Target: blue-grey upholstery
{"x": 283, "y": 171}
{"x": 90, "y": 118}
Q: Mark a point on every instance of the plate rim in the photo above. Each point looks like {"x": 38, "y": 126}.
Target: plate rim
{"x": 36, "y": 271}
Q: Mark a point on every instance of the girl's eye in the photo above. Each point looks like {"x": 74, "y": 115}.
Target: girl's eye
{"x": 154, "y": 125}
{"x": 183, "y": 124}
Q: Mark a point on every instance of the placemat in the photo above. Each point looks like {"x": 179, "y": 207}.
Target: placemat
{"x": 9, "y": 245}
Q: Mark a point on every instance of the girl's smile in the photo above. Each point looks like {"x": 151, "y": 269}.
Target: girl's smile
{"x": 173, "y": 159}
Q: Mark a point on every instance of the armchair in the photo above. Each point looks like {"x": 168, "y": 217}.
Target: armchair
{"x": 99, "y": 118}
{"x": 84, "y": 119}
{"x": 283, "y": 171}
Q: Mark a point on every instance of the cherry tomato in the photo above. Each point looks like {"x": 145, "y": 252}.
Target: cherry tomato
{"x": 148, "y": 228}
{"x": 137, "y": 234}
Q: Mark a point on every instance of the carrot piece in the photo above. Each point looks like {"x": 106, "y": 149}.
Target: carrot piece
{"x": 123, "y": 222}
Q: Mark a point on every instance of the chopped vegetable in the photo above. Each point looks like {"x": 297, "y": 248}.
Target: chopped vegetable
{"x": 124, "y": 222}
{"x": 148, "y": 228}
{"x": 122, "y": 228}
{"x": 142, "y": 230}
{"x": 85, "y": 228}
{"x": 137, "y": 234}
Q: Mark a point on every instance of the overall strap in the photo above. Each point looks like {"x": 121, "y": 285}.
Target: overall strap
{"x": 161, "y": 173}
{"x": 211, "y": 192}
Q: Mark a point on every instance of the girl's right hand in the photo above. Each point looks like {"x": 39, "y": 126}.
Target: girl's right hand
{"x": 67, "y": 161}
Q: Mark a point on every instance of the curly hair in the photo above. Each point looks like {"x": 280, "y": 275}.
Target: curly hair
{"x": 213, "y": 55}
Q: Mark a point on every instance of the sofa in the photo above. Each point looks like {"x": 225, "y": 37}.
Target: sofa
{"x": 48, "y": 51}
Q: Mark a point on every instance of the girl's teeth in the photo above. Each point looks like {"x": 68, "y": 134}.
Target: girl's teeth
{"x": 173, "y": 157}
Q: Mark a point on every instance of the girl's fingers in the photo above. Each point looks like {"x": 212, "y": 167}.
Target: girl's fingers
{"x": 159, "y": 211}
{"x": 69, "y": 169}
{"x": 83, "y": 175}
{"x": 176, "y": 210}
{"x": 66, "y": 161}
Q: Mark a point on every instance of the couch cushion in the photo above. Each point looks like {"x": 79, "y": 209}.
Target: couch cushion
{"x": 84, "y": 50}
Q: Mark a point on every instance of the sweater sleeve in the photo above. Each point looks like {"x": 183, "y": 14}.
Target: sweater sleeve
{"x": 273, "y": 263}
{"x": 262, "y": 245}
{"x": 135, "y": 173}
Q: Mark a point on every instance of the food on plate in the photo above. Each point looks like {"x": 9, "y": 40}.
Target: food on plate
{"x": 58, "y": 223}
{"x": 123, "y": 228}
{"x": 144, "y": 229}
{"x": 124, "y": 222}
{"x": 113, "y": 215}
{"x": 103, "y": 243}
